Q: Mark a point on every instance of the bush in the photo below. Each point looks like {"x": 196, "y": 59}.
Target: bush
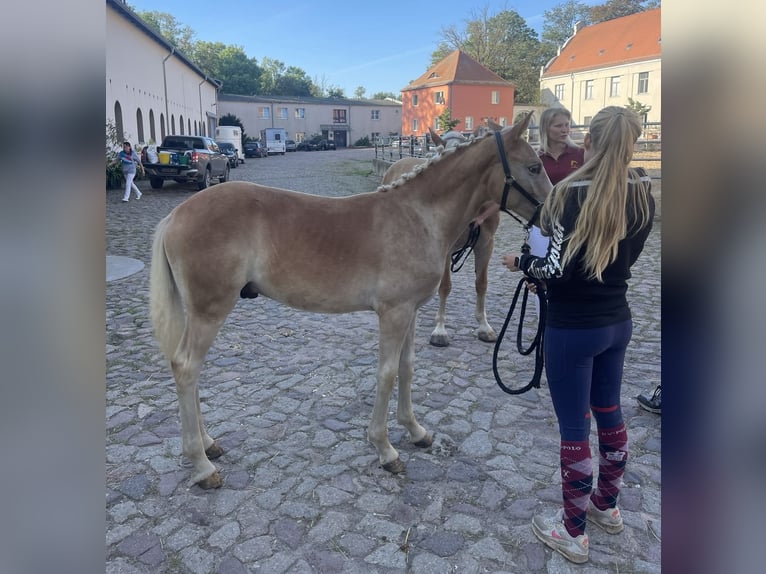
{"x": 363, "y": 142}
{"x": 114, "y": 176}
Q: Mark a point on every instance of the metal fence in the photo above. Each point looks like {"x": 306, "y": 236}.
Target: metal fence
{"x": 392, "y": 148}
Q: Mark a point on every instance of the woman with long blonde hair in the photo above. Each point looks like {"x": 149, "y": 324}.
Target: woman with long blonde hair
{"x": 598, "y": 219}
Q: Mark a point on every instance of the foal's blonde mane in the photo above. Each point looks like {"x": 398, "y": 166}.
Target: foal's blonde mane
{"x": 442, "y": 152}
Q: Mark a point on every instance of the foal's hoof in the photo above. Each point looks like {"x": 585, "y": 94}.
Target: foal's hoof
{"x": 439, "y": 340}
{"x": 487, "y": 337}
{"x": 213, "y": 451}
{"x": 212, "y": 481}
{"x": 425, "y": 442}
{"x": 395, "y": 466}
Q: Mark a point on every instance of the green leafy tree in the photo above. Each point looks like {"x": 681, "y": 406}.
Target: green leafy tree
{"x": 559, "y": 24}
{"x": 335, "y": 92}
{"x": 277, "y": 79}
{"x": 167, "y": 26}
{"x": 638, "y": 107}
{"x": 612, "y": 9}
{"x": 229, "y": 64}
{"x": 446, "y": 123}
{"x": 359, "y": 92}
{"x": 384, "y": 95}
{"x": 502, "y": 43}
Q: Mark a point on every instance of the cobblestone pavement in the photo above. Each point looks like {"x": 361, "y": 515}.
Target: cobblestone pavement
{"x": 289, "y": 394}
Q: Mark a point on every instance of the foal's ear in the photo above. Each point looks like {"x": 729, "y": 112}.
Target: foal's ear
{"x": 435, "y": 137}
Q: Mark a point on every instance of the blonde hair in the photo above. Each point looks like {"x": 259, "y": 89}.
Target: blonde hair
{"x": 602, "y": 220}
{"x": 546, "y": 120}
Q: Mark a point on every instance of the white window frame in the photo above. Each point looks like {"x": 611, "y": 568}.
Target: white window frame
{"x": 495, "y": 97}
{"x": 469, "y": 122}
{"x": 614, "y": 87}
{"x": 589, "y": 84}
{"x": 300, "y": 113}
{"x": 264, "y": 112}
{"x": 558, "y": 92}
{"x": 439, "y": 97}
{"x": 642, "y": 86}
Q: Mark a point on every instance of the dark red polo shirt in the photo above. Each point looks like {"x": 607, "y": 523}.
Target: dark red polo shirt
{"x": 570, "y": 160}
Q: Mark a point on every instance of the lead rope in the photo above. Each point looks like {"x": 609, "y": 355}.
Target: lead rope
{"x": 473, "y": 236}
{"x": 537, "y": 344}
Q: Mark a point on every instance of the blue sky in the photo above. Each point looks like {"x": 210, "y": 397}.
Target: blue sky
{"x": 342, "y": 43}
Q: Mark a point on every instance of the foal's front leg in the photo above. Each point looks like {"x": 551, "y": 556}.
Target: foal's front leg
{"x": 395, "y": 325}
{"x": 404, "y": 414}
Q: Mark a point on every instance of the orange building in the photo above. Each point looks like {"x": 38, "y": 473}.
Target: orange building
{"x": 459, "y": 83}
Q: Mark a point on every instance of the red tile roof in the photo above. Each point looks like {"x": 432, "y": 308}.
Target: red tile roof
{"x": 457, "y": 68}
{"x": 628, "y": 39}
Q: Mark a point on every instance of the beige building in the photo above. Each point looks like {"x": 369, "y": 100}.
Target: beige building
{"x": 151, "y": 89}
{"x": 605, "y": 64}
{"x": 342, "y": 120}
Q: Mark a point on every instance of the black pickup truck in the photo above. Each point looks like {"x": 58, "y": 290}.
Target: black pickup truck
{"x": 188, "y": 159}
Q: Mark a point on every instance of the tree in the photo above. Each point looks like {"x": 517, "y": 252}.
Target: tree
{"x": 502, "y": 43}
{"x": 229, "y": 64}
{"x": 559, "y": 24}
{"x": 279, "y": 80}
{"x": 359, "y": 92}
{"x": 384, "y": 95}
{"x": 335, "y": 92}
{"x": 446, "y": 123}
{"x": 166, "y": 25}
{"x": 612, "y": 9}
{"x": 638, "y": 107}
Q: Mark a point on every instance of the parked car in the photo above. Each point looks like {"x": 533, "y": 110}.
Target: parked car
{"x": 307, "y": 145}
{"x": 229, "y": 151}
{"x": 326, "y": 144}
{"x": 290, "y": 145}
{"x": 254, "y": 149}
{"x": 188, "y": 159}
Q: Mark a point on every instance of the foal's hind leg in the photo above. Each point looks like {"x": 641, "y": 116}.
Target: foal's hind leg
{"x": 439, "y": 336}
{"x": 187, "y": 364}
{"x": 482, "y": 253}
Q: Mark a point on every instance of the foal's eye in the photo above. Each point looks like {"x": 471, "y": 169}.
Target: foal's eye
{"x": 535, "y": 169}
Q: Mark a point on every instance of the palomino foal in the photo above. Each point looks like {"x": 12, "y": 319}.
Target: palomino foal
{"x": 240, "y": 239}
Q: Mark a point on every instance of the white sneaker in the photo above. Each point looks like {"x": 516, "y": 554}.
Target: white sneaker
{"x": 609, "y": 519}
{"x": 138, "y": 195}
{"x": 552, "y": 532}
{"x": 124, "y": 200}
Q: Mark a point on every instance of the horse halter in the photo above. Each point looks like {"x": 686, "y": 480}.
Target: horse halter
{"x": 511, "y": 181}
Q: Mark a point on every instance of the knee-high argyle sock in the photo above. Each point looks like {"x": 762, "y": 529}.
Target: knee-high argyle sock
{"x": 613, "y": 455}
{"x": 576, "y": 483}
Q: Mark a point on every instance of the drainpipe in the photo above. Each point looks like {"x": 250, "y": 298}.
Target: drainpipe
{"x": 165, "y": 81}
{"x": 201, "y": 118}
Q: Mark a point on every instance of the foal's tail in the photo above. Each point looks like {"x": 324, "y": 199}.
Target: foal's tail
{"x": 165, "y": 305}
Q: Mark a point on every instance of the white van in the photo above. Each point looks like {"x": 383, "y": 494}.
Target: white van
{"x": 273, "y": 140}
{"x": 232, "y": 135}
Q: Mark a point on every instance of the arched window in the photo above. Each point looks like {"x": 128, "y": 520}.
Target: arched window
{"x": 140, "y": 124}
{"x": 188, "y": 122}
{"x": 172, "y": 124}
{"x": 162, "y": 125}
{"x": 118, "y": 122}
{"x": 152, "y": 131}
{"x": 181, "y": 124}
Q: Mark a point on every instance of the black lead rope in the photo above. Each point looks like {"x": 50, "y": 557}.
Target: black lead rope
{"x": 537, "y": 342}
{"x": 462, "y": 254}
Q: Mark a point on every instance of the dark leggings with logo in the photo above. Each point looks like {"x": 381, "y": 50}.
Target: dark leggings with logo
{"x": 584, "y": 370}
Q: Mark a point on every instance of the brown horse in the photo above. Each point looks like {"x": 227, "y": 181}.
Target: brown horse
{"x": 482, "y": 250}
{"x": 382, "y": 251}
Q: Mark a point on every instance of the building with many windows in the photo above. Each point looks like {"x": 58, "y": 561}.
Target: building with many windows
{"x": 152, "y": 90}
{"x": 457, "y": 83}
{"x": 605, "y": 64}
{"x": 342, "y": 120}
